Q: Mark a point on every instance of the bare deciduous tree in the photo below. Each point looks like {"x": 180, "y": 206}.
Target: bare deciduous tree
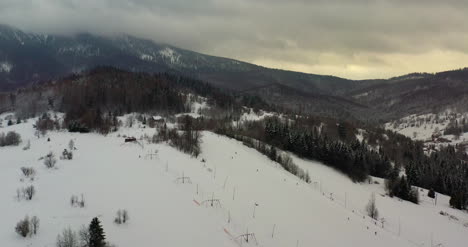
{"x": 124, "y": 216}
{"x": 29, "y": 192}
{"x": 371, "y": 208}
{"x": 68, "y": 238}
{"x": 34, "y": 224}
{"x": 84, "y": 236}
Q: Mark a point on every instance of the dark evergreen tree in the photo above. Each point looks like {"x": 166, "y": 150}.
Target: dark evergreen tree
{"x": 458, "y": 200}
{"x": 431, "y": 193}
{"x": 96, "y": 234}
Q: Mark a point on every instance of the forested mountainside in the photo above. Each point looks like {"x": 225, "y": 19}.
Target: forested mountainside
{"x": 28, "y": 58}
{"x": 417, "y": 94}
{"x": 92, "y": 101}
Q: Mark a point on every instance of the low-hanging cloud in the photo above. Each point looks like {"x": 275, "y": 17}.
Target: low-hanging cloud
{"x": 350, "y": 38}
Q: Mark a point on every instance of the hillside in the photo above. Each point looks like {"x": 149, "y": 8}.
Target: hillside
{"x": 112, "y": 175}
{"x": 435, "y": 130}
{"x": 417, "y": 94}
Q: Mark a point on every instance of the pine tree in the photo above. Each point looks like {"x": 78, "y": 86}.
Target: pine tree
{"x": 96, "y": 234}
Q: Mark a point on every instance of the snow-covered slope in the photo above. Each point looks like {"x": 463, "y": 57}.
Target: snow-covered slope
{"x": 255, "y": 195}
{"x": 418, "y": 224}
{"x": 430, "y": 128}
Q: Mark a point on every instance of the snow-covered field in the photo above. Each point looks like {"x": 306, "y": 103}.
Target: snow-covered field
{"x": 255, "y": 195}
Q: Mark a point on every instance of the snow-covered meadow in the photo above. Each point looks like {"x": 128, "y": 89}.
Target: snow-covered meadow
{"x": 255, "y": 195}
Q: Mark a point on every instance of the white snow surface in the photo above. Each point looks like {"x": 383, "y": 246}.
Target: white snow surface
{"x": 5, "y": 67}
{"x": 424, "y": 127}
{"x": 251, "y": 115}
{"x": 163, "y": 212}
{"x": 196, "y": 104}
{"x": 170, "y": 54}
{"x": 146, "y": 57}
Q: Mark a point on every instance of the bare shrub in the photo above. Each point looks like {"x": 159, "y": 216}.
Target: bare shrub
{"x": 29, "y": 192}
{"x": 121, "y": 216}
{"x": 66, "y": 155}
{"x": 28, "y": 172}
{"x": 22, "y": 227}
{"x": 10, "y": 139}
{"x": 49, "y": 160}
{"x": 75, "y": 202}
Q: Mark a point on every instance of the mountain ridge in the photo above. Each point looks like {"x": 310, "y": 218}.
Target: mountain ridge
{"x": 27, "y": 58}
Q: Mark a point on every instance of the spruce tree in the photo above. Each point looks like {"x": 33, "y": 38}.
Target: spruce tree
{"x": 96, "y": 234}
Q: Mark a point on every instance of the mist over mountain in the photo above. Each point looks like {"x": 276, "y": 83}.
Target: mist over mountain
{"x": 28, "y": 58}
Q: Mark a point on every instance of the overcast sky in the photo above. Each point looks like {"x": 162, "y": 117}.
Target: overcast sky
{"x": 349, "y": 38}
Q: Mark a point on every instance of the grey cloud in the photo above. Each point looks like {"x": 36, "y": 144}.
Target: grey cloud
{"x": 287, "y": 31}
